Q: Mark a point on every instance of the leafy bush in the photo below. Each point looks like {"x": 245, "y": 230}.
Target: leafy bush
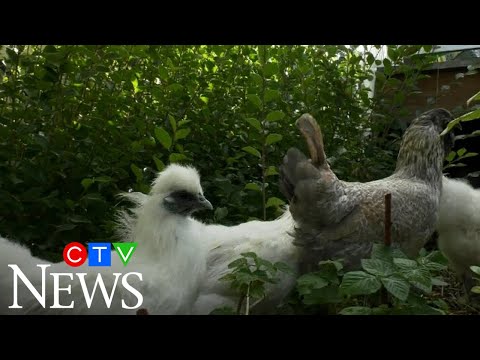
{"x": 248, "y": 277}
{"x": 78, "y": 124}
{"x": 388, "y": 284}
{"x": 476, "y": 271}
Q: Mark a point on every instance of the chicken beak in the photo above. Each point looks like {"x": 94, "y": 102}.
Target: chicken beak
{"x": 204, "y": 203}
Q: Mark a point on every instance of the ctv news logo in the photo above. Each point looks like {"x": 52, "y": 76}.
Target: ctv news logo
{"x": 99, "y": 254}
{"x": 75, "y": 255}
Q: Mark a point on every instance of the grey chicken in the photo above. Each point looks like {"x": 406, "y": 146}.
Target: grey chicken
{"x": 341, "y": 220}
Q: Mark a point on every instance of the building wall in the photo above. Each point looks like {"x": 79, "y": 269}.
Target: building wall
{"x": 443, "y": 89}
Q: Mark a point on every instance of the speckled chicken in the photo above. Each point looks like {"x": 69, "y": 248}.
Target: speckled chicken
{"x": 341, "y": 220}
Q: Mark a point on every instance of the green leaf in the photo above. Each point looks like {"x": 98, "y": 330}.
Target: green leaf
{"x": 230, "y": 277}
{"x": 270, "y": 69}
{"x": 173, "y": 123}
{"x": 392, "y": 53}
{"x": 472, "y": 115}
{"x": 159, "y": 163}
{"x": 237, "y": 263}
{"x": 476, "y": 289}
{"x": 451, "y": 155}
{"x": 420, "y": 278}
{"x": 469, "y": 154}
{"x": 435, "y": 257}
{"x": 397, "y": 286}
{"x": 370, "y": 58}
{"x": 405, "y": 264}
{"x": 149, "y": 141}
{"x": 163, "y": 73}
{"x": 251, "y": 150}
{"x": 272, "y": 170}
{"x": 163, "y": 137}
{"x": 378, "y": 267}
{"x": 183, "y": 122}
{"x": 427, "y": 48}
{"x": 70, "y": 203}
{"x": 257, "y": 79}
{"x": 461, "y": 151}
{"x": 137, "y": 171}
{"x": 273, "y": 138}
{"x": 255, "y": 100}
{"x": 254, "y": 123}
{"x": 103, "y": 179}
{"x": 438, "y": 282}
{"x": 441, "y": 304}
{"x": 274, "y": 202}
{"x": 284, "y": 268}
{"x": 176, "y": 157}
{"x": 356, "y": 310}
{"x": 93, "y": 197}
{"x": 326, "y": 295}
{"x": 175, "y": 87}
{"x": 265, "y": 265}
{"x": 271, "y": 95}
{"x": 182, "y": 133}
{"x": 252, "y": 186}
{"x": 78, "y": 219}
{"x": 435, "y": 261}
{"x": 204, "y": 99}
{"x": 359, "y": 283}
{"x": 275, "y": 115}
{"x": 475, "y": 97}
{"x": 466, "y": 136}
{"x": 136, "y": 89}
{"x": 475, "y": 269}
{"x": 137, "y": 146}
{"x": 327, "y": 264}
{"x": 307, "y": 282}
{"x": 431, "y": 265}
{"x": 387, "y": 65}
{"x": 86, "y": 183}
{"x": 455, "y": 165}
{"x": 257, "y": 291}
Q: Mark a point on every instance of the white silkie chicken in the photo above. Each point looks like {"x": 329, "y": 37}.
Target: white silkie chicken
{"x": 270, "y": 240}
{"x": 459, "y": 227}
{"x": 15, "y": 254}
{"x": 179, "y": 258}
{"x": 215, "y": 246}
{"x": 170, "y": 256}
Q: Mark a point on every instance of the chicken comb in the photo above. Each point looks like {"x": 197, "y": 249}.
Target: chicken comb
{"x": 310, "y": 130}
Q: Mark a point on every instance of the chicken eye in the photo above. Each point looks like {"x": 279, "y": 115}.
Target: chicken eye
{"x": 183, "y": 195}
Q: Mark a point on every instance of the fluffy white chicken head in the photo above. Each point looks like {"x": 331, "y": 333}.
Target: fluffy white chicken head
{"x": 180, "y": 190}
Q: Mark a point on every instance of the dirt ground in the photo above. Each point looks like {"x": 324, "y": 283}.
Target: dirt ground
{"x": 454, "y": 295}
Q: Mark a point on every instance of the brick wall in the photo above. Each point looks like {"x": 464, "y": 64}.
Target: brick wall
{"x": 443, "y": 89}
